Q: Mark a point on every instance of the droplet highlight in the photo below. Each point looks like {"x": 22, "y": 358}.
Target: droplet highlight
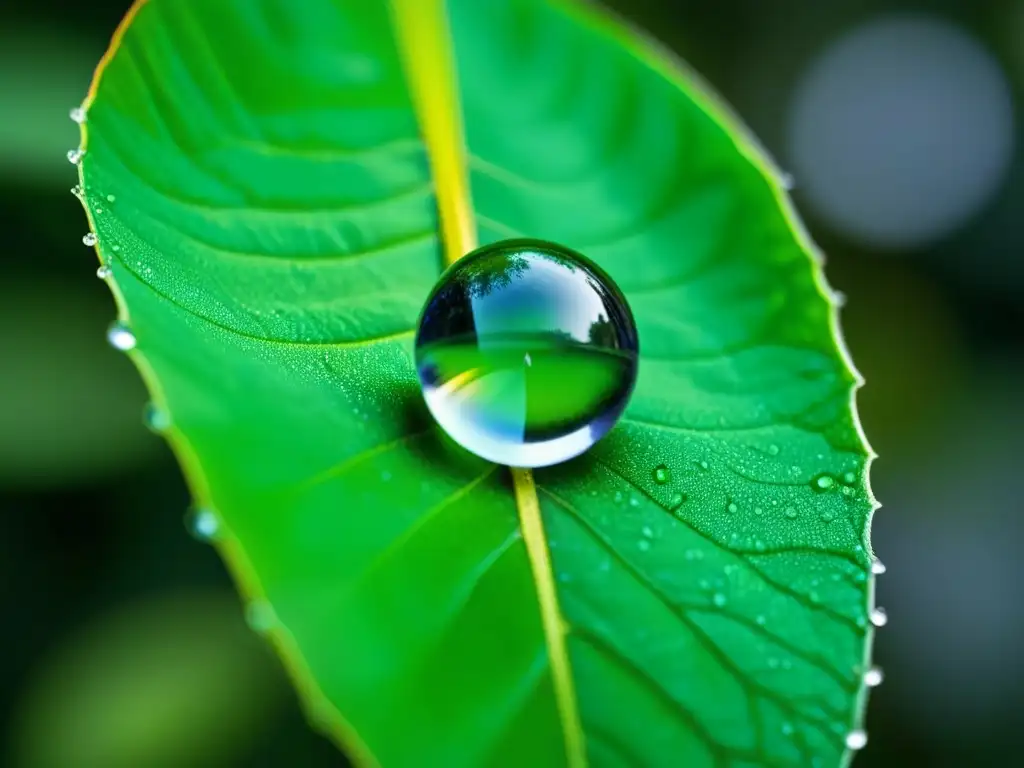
{"x": 857, "y": 739}
{"x": 89, "y": 239}
{"x": 874, "y": 677}
{"x": 526, "y": 353}
{"x": 202, "y": 524}
{"x": 879, "y": 617}
{"x": 121, "y": 337}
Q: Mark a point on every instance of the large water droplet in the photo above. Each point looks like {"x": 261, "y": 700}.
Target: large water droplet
{"x": 75, "y": 156}
{"x": 89, "y": 239}
{"x": 77, "y": 114}
{"x": 121, "y": 337}
{"x": 103, "y": 272}
{"x": 856, "y": 739}
{"x": 501, "y": 303}
{"x": 202, "y": 524}
{"x": 661, "y": 474}
{"x": 874, "y": 677}
{"x": 879, "y": 617}
{"x": 877, "y": 567}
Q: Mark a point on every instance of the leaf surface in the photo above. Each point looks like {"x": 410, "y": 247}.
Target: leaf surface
{"x": 270, "y": 182}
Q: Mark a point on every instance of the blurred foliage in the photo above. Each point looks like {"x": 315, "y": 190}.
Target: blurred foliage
{"x": 91, "y": 504}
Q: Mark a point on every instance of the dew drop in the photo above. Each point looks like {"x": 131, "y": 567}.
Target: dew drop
{"x": 703, "y": 465}
{"x": 634, "y": 501}
{"x": 732, "y": 508}
{"x": 644, "y": 545}
{"x": 103, "y": 272}
{"x": 849, "y": 478}
{"x": 857, "y": 739}
{"x": 758, "y": 511}
{"x": 156, "y": 419}
{"x": 646, "y": 531}
{"x": 119, "y": 336}
{"x": 822, "y": 483}
{"x": 526, "y": 353}
{"x": 760, "y": 620}
{"x": 661, "y": 474}
{"x": 75, "y": 156}
{"x": 677, "y": 500}
{"x": 874, "y": 677}
{"x": 787, "y": 729}
{"x": 115, "y": 248}
{"x": 89, "y": 239}
{"x": 773, "y": 449}
{"x": 111, "y": 198}
{"x": 719, "y": 599}
{"x": 827, "y": 516}
{"x": 77, "y": 191}
{"x": 202, "y": 524}
{"x": 790, "y": 513}
{"x": 878, "y": 567}
{"x": 77, "y": 115}
{"x": 879, "y": 617}
{"x": 260, "y": 616}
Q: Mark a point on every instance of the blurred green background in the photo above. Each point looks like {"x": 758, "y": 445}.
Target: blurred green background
{"x": 123, "y": 644}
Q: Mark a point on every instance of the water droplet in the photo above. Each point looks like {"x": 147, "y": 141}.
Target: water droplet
{"x": 878, "y": 567}
{"x": 879, "y": 617}
{"x": 77, "y": 191}
{"x": 661, "y": 474}
{"x": 856, "y": 739}
{"x": 790, "y": 513}
{"x": 874, "y": 677}
{"x": 760, "y": 620}
{"x": 677, "y": 500}
{"x": 634, "y": 501}
{"x": 202, "y": 524}
{"x": 260, "y": 616}
{"x": 787, "y": 182}
{"x": 111, "y": 198}
{"x": 156, "y": 419}
{"x": 719, "y": 599}
{"x": 77, "y": 114}
{"x": 732, "y": 508}
{"x": 75, "y": 156}
{"x": 516, "y": 298}
{"x": 822, "y": 483}
{"x": 120, "y": 337}
{"x": 758, "y": 511}
{"x": 787, "y": 729}
{"x": 773, "y": 663}
{"x": 849, "y": 478}
{"x": 827, "y": 516}
{"x": 703, "y": 465}
{"x": 644, "y": 545}
{"x": 646, "y": 531}
{"x": 103, "y": 272}
{"x": 89, "y": 239}
{"x": 773, "y": 449}
{"x": 115, "y": 248}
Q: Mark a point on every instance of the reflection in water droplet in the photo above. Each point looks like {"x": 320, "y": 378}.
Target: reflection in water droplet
{"x": 202, "y": 524}
{"x": 879, "y": 617}
{"x": 661, "y": 474}
{"x": 77, "y": 114}
{"x": 514, "y": 299}
{"x": 103, "y": 272}
{"x": 874, "y": 677}
{"x": 878, "y": 567}
{"x": 120, "y": 337}
{"x": 856, "y": 739}
{"x": 89, "y": 239}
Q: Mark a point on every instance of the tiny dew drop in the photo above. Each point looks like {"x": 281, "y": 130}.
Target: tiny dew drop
{"x": 75, "y": 156}
{"x": 644, "y": 545}
{"x": 121, "y": 337}
{"x": 89, "y": 239}
{"x": 857, "y": 739}
{"x": 787, "y": 729}
{"x": 260, "y": 616}
{"x": 103, "y": 272}
{"x": 849, "y": 478}
{"x": 823, "y": 482}
{"x": 790, "y": 513}
{"x": 827, "y": 517}
{"x": 661, "y": 474}
{"x": 773, "y": 449}
{"x": 703, "y": 465}
{"x": 874, "y": 677}
{"x": 879, "y": 617}
{"x": 155, "y": 418}
{"x": 111, "y": 198}
{"x": 677, "y": 500}
{"x": 77, "y": 191}
{"x": 526, "y": 353}
{"x": 731, "y": 508}
{"x": 878, "y": 567}
{"x": 77, "y": 115}
{"x": 202, "y": 524}
{"x": 719, "y": 599}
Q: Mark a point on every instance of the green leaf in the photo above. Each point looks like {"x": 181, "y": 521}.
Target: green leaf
{"x": 270, "y": 182}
